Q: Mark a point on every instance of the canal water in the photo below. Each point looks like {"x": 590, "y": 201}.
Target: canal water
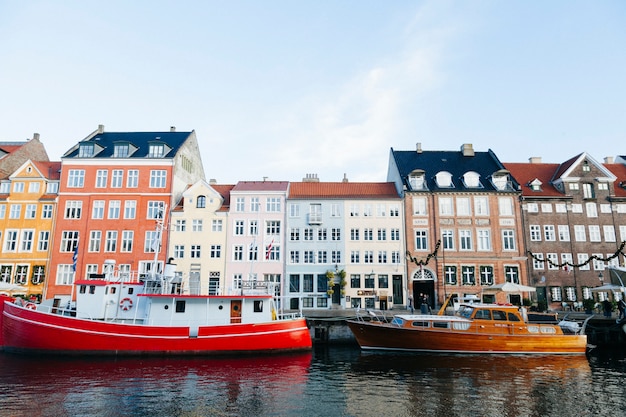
{"x": 333, "y": 381}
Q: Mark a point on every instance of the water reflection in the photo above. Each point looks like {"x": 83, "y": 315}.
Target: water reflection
{"x": 328, "y": 382}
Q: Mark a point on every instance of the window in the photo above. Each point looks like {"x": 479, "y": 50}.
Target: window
{"x": 383, "y": 281}
{"x": 114, "y": 209}
{"x": 309, "y": 257}
{"x": 121, "y": 151}
{"x": 69, "y": 240}
{"x": 272, "y": 205}
{"x": 355, "y": 257}
{"x": 46, "y": 211}
{"x": 552, "y": 261}
{"x": 368, "y": 234}
{"x": 505, "y": 206}
{"x": 238, "y": 253}
{"x": 322, "y": 257}
{"x": 463, "y": 206}
{"x": 335, "y": 234}
{"x": 468, "y": 275}
{"x": 450, "y": 274}
{"x": 486, "y": 275}
{"x": 44, "y": 239}
{"x": 421, "y": 239}
{"x": 568, "y": 260}
{"x": 354, "y": 234}
{"x": 354, "y": 210}
{"x": 272, "y": 227}
{"x": 609, "y": 233}
{"x": 594, "y": 233}
{"x": 97, "y": 211}
{"x": 15, "y": 211}
{"x": 102, "y": 176}
{"x": 419, "y": 206}
{"x": 179, "y": 251}
{"x": 368, "y": 257}
{"x": 95, "y": 237}
{"x": 195, "y": 251}
{"x": 127, "y": 240}
{"x": 253, "y": 228}
{"x": 511, "y": 274}
{"x": 395, "y": 234}
{"x": 158, "y": 178}
{"x": 201, "y": 201}
{"x": 86, "y": 150}
{"x": 538, "y": 262}
{"x": 445, "y": 206}
{"x": 180, "y": 225}
{"x": 335, "y": 256}
{"x": 196, "y": 225}
{"x": 563, "y": 230}
{"x": 592, "y": 209}
{"x": 549, "y": 233}
{"x": 334, "y": 210}
{"x": 465, "y": 239}
{"x": 322, "y": 234}
{"x": 508, "y": 240}
{"x": 253, "y": 252}
{"x": 27, "y": 241}
{"x": 444, "y": 179}
{"x": 152, "y": 242}
{"x": 34, "y": 187}
{"x": 394, "y": 211}
{"x": 65, "y": 274}
{"x": 31, "y": 211}
{"x": 111, "y": 241}
{"x": 117, "y": 178}
{"x": 294, "y": 283}
{"x": 239, "y": 226}
{"x": 308, "y": 234}
{"x": 155, "y": 210}
{"x": 73, "y": 209}
{"x": 382, "y": 257}
{"x": 130, "y": 209}
{"x": 382, "y": 234}
{"x": 546, "y": 208}
{"x": 560, "y": 207}
{"x": 216, "y": 226}
{"x": 132, "y": 178}
{"x": 583, "y": 258}
{"x": 156, "y": 151}
{"x": 483, "y": 239}
{"x": 38, "y": 274}
{"x": 481, "y": 206}
{"x": 240, "y": 204}
{"x": 6, "y": 272}
{"x": 447, "y": 238}
{"x": 535, "y": 233}
{"x": 588, "y": 191}
{"x": 579, "y": 233}
{"x": 294, "y": 257}
{"x": 395, "y": 257}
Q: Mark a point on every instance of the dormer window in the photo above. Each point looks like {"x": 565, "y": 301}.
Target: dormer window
{"x": 586, "y": 167}
{"x": 471, "y": 179}
{"x": 444, "y": 179}
{"x": 86, "y": 150}
{"x": 156, "y": 151}
{"x": 121, "y": 151}
{"x": 500, "y": 179}
{"x": 535, "y": 185}
{"x": 417, "y": 180}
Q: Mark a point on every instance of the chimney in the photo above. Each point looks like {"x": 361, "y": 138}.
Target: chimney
{"x": 310, "y": 178}
{"x": 212, "y": 181}
{"x": 608, "y": 160}
{"x": 100, "y": 129}
{"x": 345, "y": 178}
{"x": 467, "y": 149}
{"x": 35, "y": 136}
{"x": 534, "y": 159}
{"x": 172, "y": 128}
{"x": 418, "y": 147}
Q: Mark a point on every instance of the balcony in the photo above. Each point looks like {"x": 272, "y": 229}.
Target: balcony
{"x": 315, "y": 218}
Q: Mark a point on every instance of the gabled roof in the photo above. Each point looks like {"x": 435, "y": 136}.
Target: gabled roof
{"x": 342, "y": 190}
{"x": 525, "y": 173}
{"x": 485, "y": 164}
{"x": 221, "y": 189}
{"x": 50, "y": 170}
{"x": 140, "y": 141}
{"x": 619, "y": 186}
{"x": 260, "y": 186}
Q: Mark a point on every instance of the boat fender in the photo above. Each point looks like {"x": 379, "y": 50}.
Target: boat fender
{"x": 31, "y": 306}
{"x": 274, "y": 314}
{"x": 126, "y": 304}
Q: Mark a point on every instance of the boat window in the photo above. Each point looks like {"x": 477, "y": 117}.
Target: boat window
{"x": 466, "y": 312}
{"x": 513, "y": 317}
{"x": 483, "y": 315}
{"x": 258, "y": 306}
{"x": 82, "y": 289}
{"x": 113, "y": 290}
{"x": 92, "y": 289}
{"x": 131, "y": 290}
{"x": 548, "y": 330}
{"x": 533, "y": 329}
{"x": 461, "y": 325}
{"x": 397, "y": 321}
{"x": 180, "y": 306}
{"x": 499, "y": 315}
{"x": 420, "y": 324}
{"x": 441, "y": 324}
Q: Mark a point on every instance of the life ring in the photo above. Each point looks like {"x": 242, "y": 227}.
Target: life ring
{"x": 126, "y": 304}
{"x": 31, "y": 306}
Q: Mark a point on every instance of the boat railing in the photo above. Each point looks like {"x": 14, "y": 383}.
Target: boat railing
{"x": 370, "y": 315}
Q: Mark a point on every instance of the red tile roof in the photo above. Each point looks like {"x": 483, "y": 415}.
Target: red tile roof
{"x": 343, "y": 190}
{"x": 50, "y": 170}
{"x": 525, "y": 173}
{"x": 619, "y": 170}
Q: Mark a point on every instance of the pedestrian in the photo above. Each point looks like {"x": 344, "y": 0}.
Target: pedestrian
{"x": 411, "y": 304}
{"x": 424, "y": 304}
{"x": 608, "y": 308}
{"x": 621, "y": 306}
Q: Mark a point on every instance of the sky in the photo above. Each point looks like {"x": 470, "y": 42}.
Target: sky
{"x": 279, "y": 89}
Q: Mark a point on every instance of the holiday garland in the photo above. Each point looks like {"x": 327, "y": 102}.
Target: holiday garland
{"x": 620, "y": 251}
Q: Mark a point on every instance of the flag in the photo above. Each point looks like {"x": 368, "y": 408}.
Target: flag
{"x": 75, "y": 257}
{"x": 269, "y": 250}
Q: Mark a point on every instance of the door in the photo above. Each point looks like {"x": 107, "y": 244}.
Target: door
{"x": 336, "y": 294}
{"x": 398, "y": 295}
{"x": 235, "y": 311}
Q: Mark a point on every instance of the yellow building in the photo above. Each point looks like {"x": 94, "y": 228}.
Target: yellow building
{"x": 28, "y": 199}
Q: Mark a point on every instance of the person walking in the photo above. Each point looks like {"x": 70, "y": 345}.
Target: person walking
{"x": 608, "y": 308}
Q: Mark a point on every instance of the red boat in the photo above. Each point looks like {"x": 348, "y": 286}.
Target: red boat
{"x": 121, "y": 316}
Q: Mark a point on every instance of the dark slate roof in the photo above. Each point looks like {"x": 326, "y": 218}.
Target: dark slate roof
{"x": 140, "y": 140}
{"x": 484, "y": 164}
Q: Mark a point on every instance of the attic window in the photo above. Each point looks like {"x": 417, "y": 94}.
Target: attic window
{"x": 586, "y": 167}
{"x": 444, "y": 179}
{"x": 121, "y": 151}
{"x": 535, "y": 185}
{"x": 417, "y": 181}
{"x": 156, "y": 151}
{"x": 86, "y": 150}
{"x": 471, "y": 179}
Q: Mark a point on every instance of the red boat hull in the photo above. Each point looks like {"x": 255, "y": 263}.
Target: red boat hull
{"x": 25, "y": 330}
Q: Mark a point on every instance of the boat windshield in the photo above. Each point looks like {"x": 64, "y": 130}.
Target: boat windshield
{"x": 466, "y": 311}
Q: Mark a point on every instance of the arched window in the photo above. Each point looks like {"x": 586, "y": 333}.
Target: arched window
{"x": 444, "y": 179}
{"x": 472, "y": 179}
{"x": 201, "y": 201}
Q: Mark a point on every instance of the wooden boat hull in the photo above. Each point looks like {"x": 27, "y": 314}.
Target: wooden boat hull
{"x": 25, "y": 330}
{"x": 386, "y": 336}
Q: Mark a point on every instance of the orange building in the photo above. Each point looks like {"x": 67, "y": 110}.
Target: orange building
{"x": 27, "y": 211}
{"x": 115, "y": 188}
